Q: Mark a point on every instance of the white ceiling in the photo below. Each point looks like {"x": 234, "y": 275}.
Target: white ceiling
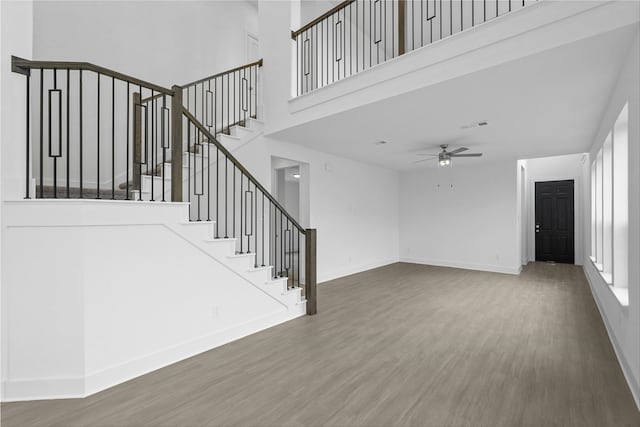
{"x": 543, "y": 105}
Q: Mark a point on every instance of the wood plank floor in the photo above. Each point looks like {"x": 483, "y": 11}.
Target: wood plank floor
{"x": 404, "y": 345}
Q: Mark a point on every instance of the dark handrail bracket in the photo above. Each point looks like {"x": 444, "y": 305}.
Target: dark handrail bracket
{"x": 16, "y": 66}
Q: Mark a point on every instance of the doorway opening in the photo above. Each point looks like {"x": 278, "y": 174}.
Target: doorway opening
{"x": 554, "y": 221}
{"x": 290, "y": 188}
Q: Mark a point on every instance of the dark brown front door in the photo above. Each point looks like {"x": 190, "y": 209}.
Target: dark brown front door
{"x": 554, "y": 221}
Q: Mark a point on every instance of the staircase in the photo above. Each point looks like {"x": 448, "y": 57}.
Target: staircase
{"x": 239, "y": 135}
{"x": 94, "y": 133}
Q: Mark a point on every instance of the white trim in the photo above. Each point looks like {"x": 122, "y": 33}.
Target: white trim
{"x": 466, "y": 266}
{"x": 336, "y": 274}
{"x": 617, "y": 348}
{"x": 78, "y": 387}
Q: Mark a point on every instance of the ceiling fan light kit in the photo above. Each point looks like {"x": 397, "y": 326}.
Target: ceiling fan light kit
{"x": 444, "y": 157}
{"x": 444, "y": 161}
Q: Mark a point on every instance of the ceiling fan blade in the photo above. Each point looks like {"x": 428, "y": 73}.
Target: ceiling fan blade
{"x": 420, "y": 161}
{"x": 428, "y": 155}
{"x": 467, "y": 155}
{"x": 458, "y": 150}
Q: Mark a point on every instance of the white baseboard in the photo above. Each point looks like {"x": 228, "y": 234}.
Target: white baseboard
{"x": 43, "y": 388}
{"x": 466, "y": 266}
{"x": 617, "y": 348}
{"x": 336, "y": 274}
{"x": 78, "y": 387}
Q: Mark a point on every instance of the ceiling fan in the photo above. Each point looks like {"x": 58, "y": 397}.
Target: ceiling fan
{"x": 444, "y": 157}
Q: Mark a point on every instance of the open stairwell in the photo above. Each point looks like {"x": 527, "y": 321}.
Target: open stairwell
{"x": 154, "y": 243}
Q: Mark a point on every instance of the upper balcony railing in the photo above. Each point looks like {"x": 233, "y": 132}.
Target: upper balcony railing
{"x": 358, "y": 34}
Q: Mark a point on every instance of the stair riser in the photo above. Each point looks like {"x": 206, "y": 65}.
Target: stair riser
{"x": 220, "y": 248}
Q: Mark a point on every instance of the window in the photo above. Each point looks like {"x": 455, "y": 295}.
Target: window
{"x": 609, "y": 206}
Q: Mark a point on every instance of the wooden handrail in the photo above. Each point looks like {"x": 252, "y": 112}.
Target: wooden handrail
{"x": 25, "y": 64}
{"x": 241, "y": 67}
{"x": 242, "y": 169}
{"x": 321, "y": 17}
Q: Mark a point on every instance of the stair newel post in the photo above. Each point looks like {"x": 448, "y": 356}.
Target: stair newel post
{"x": 137, "y": 140}
{"x": 176, "y": 144}
{"x": 310, "y": 270}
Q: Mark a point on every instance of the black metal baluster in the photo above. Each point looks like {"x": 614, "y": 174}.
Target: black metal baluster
{"x": 350, "y": 39}
{"x": 226, "y": 198}
{"x": 80, "y": 136}
{"x": 28, "y": 139}
{"x": 370, "y": 38}
{"x": 233, "y": 193}
{"x": 41, "y": 133}
{"x": 384, "y": 4}
{"x": 343, "y": 34}
{"x": 208, "y": 176}
{"x": 189, "y": 154}
{"x": 128, "y": 143}
{"x": 68, "y": 133}
{"x": 440, "y": 19}
{"x": 143, "y": 125}
{"x": 228, "y": 100}
{"x": 282, "y": 237}
{"x": 262, "y": 220}
{"x": 254, "y": 230}
{"x": 250, "y": 89}
{"x": 98, "y": 144}
{"x": 55, "y": 158}
{"x": 241, "y": 211}
{"x": 163, "y": 124}
{"x": 153, "y": 143}
{"x": 217, "y": 190}
{"x": 113, "y": 138}
{"x": 201, "y": 140}
{"x": 422, "y": 20}
{"x": 327, "y": 56}
{"x": 298, "y": 256}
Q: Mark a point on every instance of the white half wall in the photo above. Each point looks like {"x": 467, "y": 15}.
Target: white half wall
{"x": 622, "y": 322}
{"x": 98, "y": 292}
{"x": 462, "y": 217}
{"x": 16, "y": 38}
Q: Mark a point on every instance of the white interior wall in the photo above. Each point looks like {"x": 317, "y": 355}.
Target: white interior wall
{"x": 16, "y": 24}
{"x": 348, "y": 201}
{"x": 109, "y": 302}
{"x": 622, "y": 322}
{"x": 556, "y": 168}
{"x": 462, "y": 217}
{"x": 165, "y": 42}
